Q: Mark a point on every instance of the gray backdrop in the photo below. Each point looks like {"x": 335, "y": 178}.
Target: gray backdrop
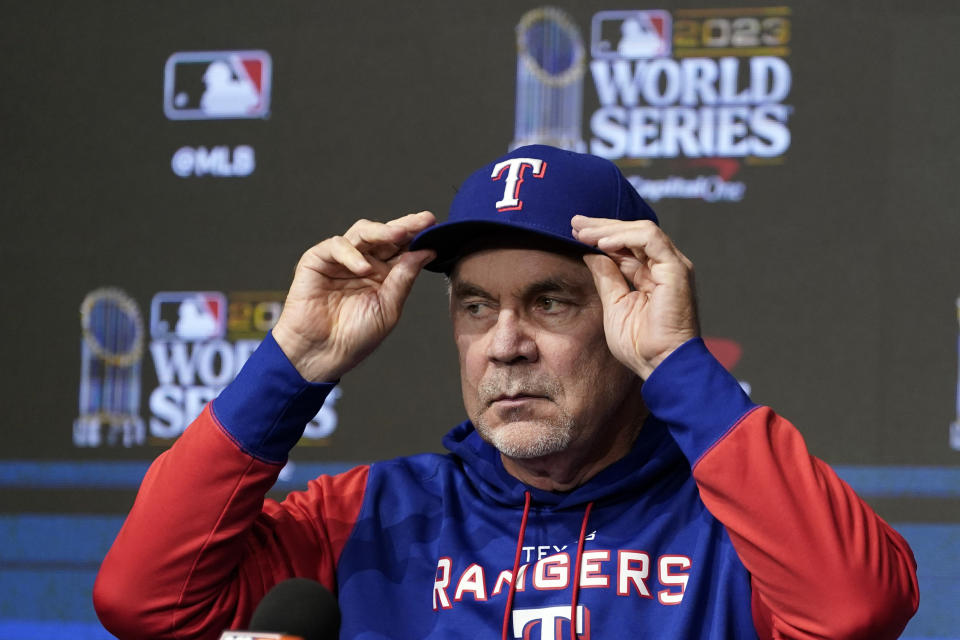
{"x": 836, "y": 274}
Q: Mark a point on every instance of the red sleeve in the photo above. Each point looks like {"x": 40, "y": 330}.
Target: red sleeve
{"x": 201, "y": 545}
{"x": 822, "y": 563}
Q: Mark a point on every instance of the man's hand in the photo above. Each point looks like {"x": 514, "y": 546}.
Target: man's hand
{"x": 646, "y": 287}
{"x": 347, "y": 295}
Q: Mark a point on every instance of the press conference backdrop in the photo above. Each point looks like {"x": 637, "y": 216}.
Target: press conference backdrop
{"x": 165, "y": 164}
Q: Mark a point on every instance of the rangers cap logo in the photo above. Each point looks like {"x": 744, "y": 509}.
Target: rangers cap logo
{"x": 514, "y": 169}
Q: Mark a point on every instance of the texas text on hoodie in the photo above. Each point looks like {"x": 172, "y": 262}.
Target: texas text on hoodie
{"x": 759, "y": 540}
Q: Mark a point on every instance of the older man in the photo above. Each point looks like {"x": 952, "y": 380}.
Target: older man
{"x": 613, "y": 481}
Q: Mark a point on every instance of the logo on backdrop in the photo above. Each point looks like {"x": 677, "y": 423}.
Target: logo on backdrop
{"x": 631, "y": 35}
{"x": 684, "y": 99}
{"x": 212, "y": 85}
{"x": 111, "y": 349}
{"x": 192, "y": 315}
{"x": 199, "y": 340}
{"x": 550, "y": 69}
{"x": 216, "y": 85}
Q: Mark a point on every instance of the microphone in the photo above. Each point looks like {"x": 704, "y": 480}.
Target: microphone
{"x": 294, "y": 609}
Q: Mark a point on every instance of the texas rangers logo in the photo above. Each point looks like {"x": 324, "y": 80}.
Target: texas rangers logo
{"x": 515, "y": 168}
{"x": 550, "y": 621}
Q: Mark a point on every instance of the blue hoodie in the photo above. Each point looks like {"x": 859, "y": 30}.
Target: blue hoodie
{"x": 717, "y": 524}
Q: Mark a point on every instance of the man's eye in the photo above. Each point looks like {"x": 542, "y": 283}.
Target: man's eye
{"x": 474, "y": 308}
{"x": 550, "y": 305}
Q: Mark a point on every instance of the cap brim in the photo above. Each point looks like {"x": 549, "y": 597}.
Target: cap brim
{"x": 453, "y": 240}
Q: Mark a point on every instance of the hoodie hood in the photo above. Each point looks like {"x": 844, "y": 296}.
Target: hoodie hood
{"x": 653, "y": 456}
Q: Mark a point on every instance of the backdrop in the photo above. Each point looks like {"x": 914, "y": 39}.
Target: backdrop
{"x": 167, "y": 163}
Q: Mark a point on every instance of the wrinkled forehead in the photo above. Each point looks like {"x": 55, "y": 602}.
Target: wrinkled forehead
{"x": 520, "y": 272}
{"x": 489, "y": 243}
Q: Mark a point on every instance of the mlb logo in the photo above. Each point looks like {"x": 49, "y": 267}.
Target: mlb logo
{"x": 188, "y": 315}
{"x": 210, "y": 85}
{"x": 631, "y": 35}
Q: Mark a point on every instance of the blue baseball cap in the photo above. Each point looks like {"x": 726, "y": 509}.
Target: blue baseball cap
{"x": 536, "y": 190}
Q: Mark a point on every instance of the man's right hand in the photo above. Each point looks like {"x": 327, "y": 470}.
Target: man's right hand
{"x": 347, "y": 295}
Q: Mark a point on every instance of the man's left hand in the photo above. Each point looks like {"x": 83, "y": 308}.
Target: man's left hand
{"x": 646, "y": 288}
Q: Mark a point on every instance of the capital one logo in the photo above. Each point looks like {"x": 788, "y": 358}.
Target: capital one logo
{"x": 514, "y": 169}
{"x": 551, "y": 621}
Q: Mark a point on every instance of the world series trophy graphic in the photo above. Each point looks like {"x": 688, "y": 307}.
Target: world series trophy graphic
{"x": 550, "y": 69}
{"x": 111, "y": 352}
{"x": 955, "y": 426}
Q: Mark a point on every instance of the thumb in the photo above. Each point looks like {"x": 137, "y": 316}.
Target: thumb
{"x": 607, "y": 278}
{"x": 398, "y": 283}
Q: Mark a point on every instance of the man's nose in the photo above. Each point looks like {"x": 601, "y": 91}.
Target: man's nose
{"x": 511, "y": 340}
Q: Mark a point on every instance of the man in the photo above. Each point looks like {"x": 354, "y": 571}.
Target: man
{"x": 613, "y": 480}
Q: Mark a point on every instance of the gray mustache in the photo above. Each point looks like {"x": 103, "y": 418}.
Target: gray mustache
{"x": 513, "y": 385}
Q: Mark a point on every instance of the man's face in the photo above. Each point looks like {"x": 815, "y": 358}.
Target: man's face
{"x": 536, "y": 373}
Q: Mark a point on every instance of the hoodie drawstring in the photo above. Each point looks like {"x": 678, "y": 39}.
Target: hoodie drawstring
{"x": 516, "y": 569}
{"x": 576, "y": 572}
{"x": 516, "y": 565}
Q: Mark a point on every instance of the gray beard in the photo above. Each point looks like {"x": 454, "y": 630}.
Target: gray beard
{"x": 524, "y": 438}
{"x": 529, "y": 440}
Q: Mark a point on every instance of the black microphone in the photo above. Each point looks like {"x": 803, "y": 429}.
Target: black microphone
{"x": 297, "y": 607}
